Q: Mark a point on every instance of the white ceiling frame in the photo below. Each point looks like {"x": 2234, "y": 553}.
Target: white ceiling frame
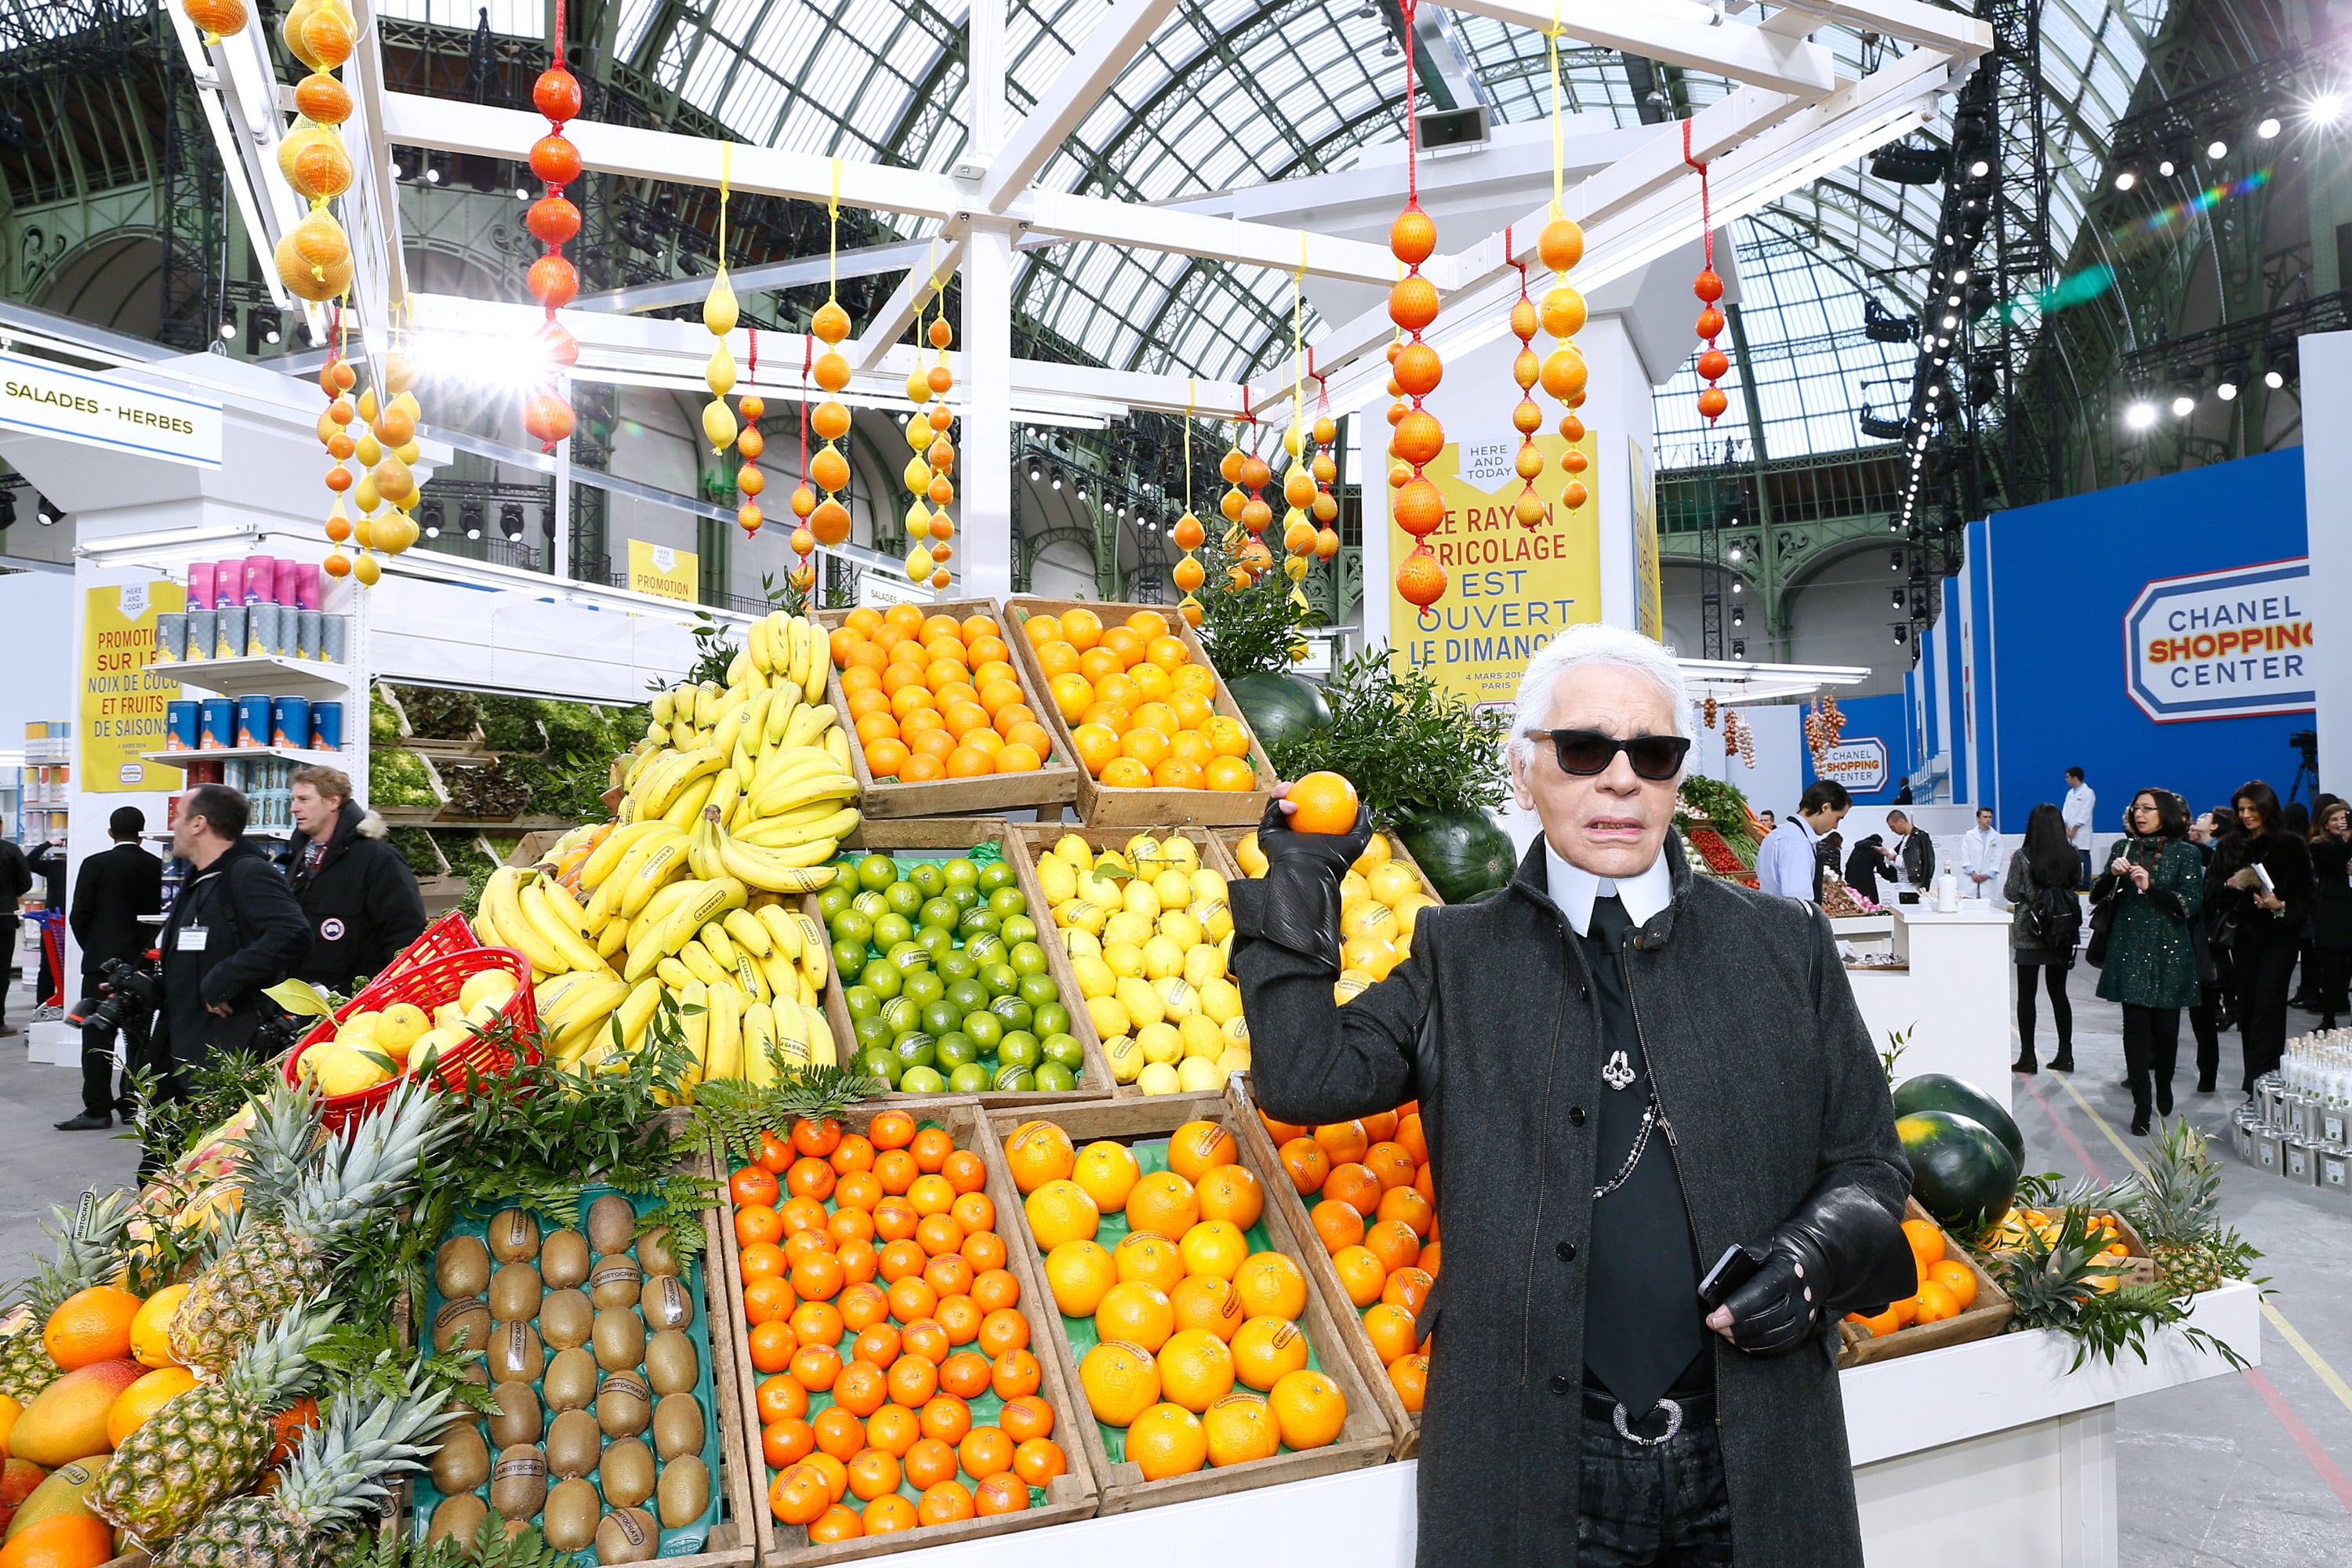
{"x": 1096, "y": 63}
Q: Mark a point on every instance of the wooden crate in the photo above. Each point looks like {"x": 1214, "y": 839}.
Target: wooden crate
{"x": 1324, "y": 1280}
{"x": 1034, "y": 839}
{"x": 1136, "y": 809}
{"x": 1987, "y": 1315}
{"x": 957, "y": 834}
{"x": 1052, "y": 785}
{"x": 1069, "y": 1497}
{"x": 2140, "y": 1264}
{"x": 1366, "y": 1439}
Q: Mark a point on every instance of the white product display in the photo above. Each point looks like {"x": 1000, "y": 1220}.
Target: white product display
{"x": 1990, "y": 1452}
{"x": 1946, "y": 990}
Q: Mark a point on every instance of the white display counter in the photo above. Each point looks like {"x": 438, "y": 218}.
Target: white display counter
{"x": 1989, "y": 1452}
{"x": 1949, "y": 990}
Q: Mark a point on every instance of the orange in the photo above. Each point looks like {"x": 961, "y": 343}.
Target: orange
{"x": 994, "y": 1287}
{"x": 1137, "y": 1312}
{"x": 1166, "y": 1440}
{"x": 1309, "y": 1408}
{"x": 884, "y": 757}
{"x": 1148, "y": 623}
{"x": 134, "y": 1404}
{"x": 1078, "y": 1273}
{"x": 1002, "y": 1330}
{"x": 1230, "y": 1192}
{"x": 1408, "y": 1288}
{"x": 91, "y": 1326}
{"x": 1157, "y": 716}
{"x": 945, "y": 1504}
{"x": 760, "y": 1260}
{"x": 1325, "y": 802}
{"x": 1151, "y": 683}
{"x": 838, "y": 1523}
{"x": 1041, "y": 629}
{"x": 60, "y": 1541}
{"x": 1109, "y": 1174}
{"x": 1015, "y": 1374}
{"x": 912, "y": 1298}
{"x": 786, "y": 1443}
{"x": 782, "y": 1399}
{"x": 1121, "y": 1382}
{"x": 1019, "y": 757}
{"x": 1166, "y": 652}
{"x": 1408, "y": 1375}
{"x": 929, "y": 1461}
{"x": 1039, "y": 1460}
{"x": 1406, "y": 1204}
{"x": 913, "y": 1379}
{"x": 860, "y": 1390}
{"x": 893, "y": 1429}
{"x": 1265, "y": 1349}
{"x": 1954, "y": 1277}
{"x": 1056, "y": 659}
{"x": 1096, "y": 744}
{"x": 895, "y": 1218}
{"x": 1082, "y": 629}
{"x": 1270, "y": 1286}
{"x": 1926, "y": 1243}
{"x": 1390, "y": 1327}
{"x": 1122, "y": 641}
{"x": 817, "y": 1323}
{"x": 966, "y": 1174}
{"x": 1213, "y": 1247}
{"x": 817, "y": 1366}
{"x": 1151, "y": 1258}
{"x": 1361, "y": 1274}
{"x": 889, "y": 1515}
{"x": 1144, "y": 746}
{"x": 877, "y": 1345}
{"x": 839, "y": 1433}
{"x": 1280, "y": 1132}
{"x": 1338, "y": 1225}
{"x": 1343, "y": 1141}
{"x": 817, "y": 1277}
{"x": 940, "y": 1235}
{"x": 799, "y": 1495}
{"x": 1393, "y": 1243}
{"x": 1305, "y": 1164}
{"x": 1229, "y": 735}
{"x": 959, "y": 1316}
{"x": 1199, "y": 1147}
{"x": 877, "y": 724}
{"x": 865, "y": 620}
{"x": 922, "y": 767}
{"x": 894, "y": 1169}
{"x": 1390, "y": 1164}
{"x": 753, "y": 1184}
{"x": 1026, "y": 1418}
{"x": 964, "y": 1374}
{"x": 1073, "y": 693}
{"x": 1355, "y": 1185}
{"x": 1241, "y": 1427}
{"x": 772, "y": 1345}
{"x": 847, "y": 1224}
{"x": 873, "y": 1473}
{"x": 945, "y": 1418}
{"x": 1162, "y": 1202}
{"x": 1039, "y": 1152}
{"x": 1004, "y": 1492}
{"x": 1207, "y": 1301}
{"x": 1194, "y": 711}
{"x": 986, "y": 1451}
{"x": 1190, "y": 747}
{"x": 970, "y": 762}
{"x": 890, "y": 1130}
{"x": 1125, "y": 773}
{"x": 766, "y": 1300}
{"x": 1196, "y": 1370}
{"x": 1232, "y": 774}
{"x": 948, "y": 1273}
{"x": 1110, "y": 715}
{"x": 1936, "y": 1304}
{"x": 1099, "y": 665}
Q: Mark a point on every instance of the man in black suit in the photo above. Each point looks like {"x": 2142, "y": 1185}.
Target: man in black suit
{"x": 16, "y": 881}
{"x": 112, "y": 890}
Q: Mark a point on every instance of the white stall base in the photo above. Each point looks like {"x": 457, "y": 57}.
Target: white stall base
{"x": 1954, "y": 999}
{"x": 53, "y": 1044}
{"x": 1983, "y": 1453}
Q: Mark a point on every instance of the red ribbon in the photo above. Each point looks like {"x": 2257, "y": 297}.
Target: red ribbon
{"x": 1412, "y": 134}
{"x": 1705, "y": 202}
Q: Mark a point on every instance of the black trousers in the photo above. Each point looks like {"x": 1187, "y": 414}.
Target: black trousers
{"x": 2329, "y": 970}
{"x": 2204, "y": 1022}
{"x": 1667, "y": 1506}
{"x": 98, "y": 1093}
{"x": 2151, "y": 1042}
{"x": 2263, "y": 975}
{"x": 2062, "y": 1011}
{"x": 8, "y": 924}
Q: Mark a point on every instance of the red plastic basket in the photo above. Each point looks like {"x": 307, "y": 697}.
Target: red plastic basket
{"x": 428, "y": 984}
{"x": 450, "y": 933}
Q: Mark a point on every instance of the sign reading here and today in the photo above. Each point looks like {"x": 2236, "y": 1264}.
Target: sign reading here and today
{"x": 51, "y": 400}
{"x": 2223, "y": 645}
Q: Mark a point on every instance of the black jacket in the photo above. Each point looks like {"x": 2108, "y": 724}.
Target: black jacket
{"x": 2287, "y": 859}
{"x": 47, "y": 861}
{"x": 1762, "y": 1063}
{"x": 16, "y": 879}
{"x": 1865, "y": 865}
{"x": 111, "y": 890}
{"x": 1918, "y": 858}
{"x": 254, "y": 936}
{"x": 361, "y": 902}
{"x": 2331, "y": 915}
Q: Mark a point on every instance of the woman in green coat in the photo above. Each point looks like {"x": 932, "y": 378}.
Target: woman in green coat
{"x": 2153, "y": 887}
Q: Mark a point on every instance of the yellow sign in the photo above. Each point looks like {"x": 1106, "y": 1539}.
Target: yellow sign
{"x": 665, "y": 574}
{"x": 1508, "y": 590}
{"x": 122, "y": 698}
{"x": 1650, "y": 598}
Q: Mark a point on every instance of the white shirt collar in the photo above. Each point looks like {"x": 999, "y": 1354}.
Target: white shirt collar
{"x": 1573, "y": 888}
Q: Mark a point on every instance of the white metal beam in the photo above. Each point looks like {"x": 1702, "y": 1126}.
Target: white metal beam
{"x": 1679, "y": 33}
{"x": 1121, "y": 28}
{"x": 761, "y": 278}
{"x": 1954, "y": 33}
{"x": 929, "y": 269}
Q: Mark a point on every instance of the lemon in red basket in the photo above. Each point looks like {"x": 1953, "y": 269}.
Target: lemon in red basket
{"x": 339, "y": 1069}
{"x": 399, "y": 1027}
{"x": 493, "y": 987}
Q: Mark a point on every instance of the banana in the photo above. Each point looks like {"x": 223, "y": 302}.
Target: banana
{"x": 694, "y": 1020}
{"x": 815, "y": 953}
{"x": 837, "y": 741}
{"x": 748, "y": 974}
{"x": 778, "y": 976}
{"x": 499, "y": 897}
{"x": 701, "y": 965}
{"x": 759, "y": 1038}
{"x": 657, "y": 908}
{"x": 702, "y": 848}
{"x": 612, "y": 937}
{"x": 729, "y": 728}
{"x": 791, "y": 1033}
{"x": 726, "y": 791}
{"x": 723, "y": 1057}
{"x": 833, "y": 821}
{"x": 676, "y": 929}
{"x": 787, "y": 931}
{"x": 739, "y": 668}
{"x": 746, "y": 930}
{"x": 637, "y": 1012}
{"x": 781, "y": 707}
{"x": 599, "y": 866}
{"x": 717, "y": 944}
{"x": 687, "y": 806}
{"x": 661, "y": 709}
{"x": 821, "y": 1043}
{"x": 560, "y": 931}
{"x": 796, "y": 666}
{"x": 801, "y": 869}
{"x": 699, "y": 762}
{"x": 754, "y": 727}
{"x": 781, "y": 763}
{"x": 486, "y": 930}
{"x": 786, "y": 793}
{"x": 674, "y": 974}
{"x": 579, "y": 1011}
{"x": 709, "y": 696}
{"x": 820, "y": 660}
{"x": 807, "y": 725}
{"x": 653, "y": 874}
{"x": 548, "y": 994}
{"x": 755, "y": 643}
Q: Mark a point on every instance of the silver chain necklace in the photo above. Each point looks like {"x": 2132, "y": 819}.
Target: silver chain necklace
{"x": 1651, "y": 1119}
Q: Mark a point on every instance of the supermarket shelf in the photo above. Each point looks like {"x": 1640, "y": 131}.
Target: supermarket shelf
{"x": 249, "y": 753}
{"x": 266, "y": 675}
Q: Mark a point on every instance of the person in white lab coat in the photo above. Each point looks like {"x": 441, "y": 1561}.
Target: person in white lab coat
{"x": 1980, "y": 857}
{"x": 2076, "y": 812}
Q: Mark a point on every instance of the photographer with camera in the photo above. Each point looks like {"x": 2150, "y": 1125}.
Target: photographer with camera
{"x": 111, "y": 892}
{"x": 235, "y": 930}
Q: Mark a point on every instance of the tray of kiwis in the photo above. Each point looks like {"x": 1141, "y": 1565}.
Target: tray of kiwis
{"x": 607, "y": 1434}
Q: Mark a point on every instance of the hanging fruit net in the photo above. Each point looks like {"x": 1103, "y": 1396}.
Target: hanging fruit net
{"x": 1414, "y": 369}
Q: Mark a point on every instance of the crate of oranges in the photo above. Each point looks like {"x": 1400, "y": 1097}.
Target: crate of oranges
{"x": 892, "y": 1341}
{"x": 1205, "y": 1361}
{"x": 1362, "y": 1190}
{"x": 1380, "y": 900}
{"x": 1132, "y": 696}
{"x": 944, "y": 718}
{"x": 1957, "y": 1301}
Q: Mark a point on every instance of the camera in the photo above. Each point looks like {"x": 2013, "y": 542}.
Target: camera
{"x": 128, "y": 990}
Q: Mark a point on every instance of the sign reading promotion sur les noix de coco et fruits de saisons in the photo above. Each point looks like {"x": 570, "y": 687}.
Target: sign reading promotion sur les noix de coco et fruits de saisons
{"x": 2223, "y": 645}
{"x": 1509, "y": 590}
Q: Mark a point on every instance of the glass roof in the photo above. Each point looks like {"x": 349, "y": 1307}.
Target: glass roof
{"x": 1237, "y": 92}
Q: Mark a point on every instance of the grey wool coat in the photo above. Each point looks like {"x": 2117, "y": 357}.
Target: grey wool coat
{"x": 1762, "y": 1065}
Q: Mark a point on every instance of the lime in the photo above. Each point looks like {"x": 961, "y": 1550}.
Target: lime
{"x": 834, "y": 899}
{"x": 955, "y": 966}
{"x": 1039, "y": 990}
{"x": 969, "y": 1078}
{"x": 915, "y": 1049}
{"x": 1051, "y": 1019}
{"x": 904, "y": 897}
{"x": 928, "y": 877}
{"x": 902, "y": 1014}
{"x": 861, "y": 1002}
{"x": 871, "y": 1032}
{"x": 935, "y": 943}
{"x": 969, "y": 994}
{"x": 908, "y": 956}
{"x": 999, "y": 979}
{"x": 1018, "y": 929}
{"x": 941, "y": 1016}
{"x": 961, "y": 873}
{"x": 849, "y": 958}
{"x": 985, "y": 1029}
{"x": 996, "y": 874}
{"x": 987, "y": 949}
{"x": 1020, "y": 1048}
{"x": 923, "y": 988}
{"x": 851, "y": 925}
{"x": 1026, "y": 958}
{"x": 1012, "y": 1080}
{"x": 1063, "y": 1049}
{"x": 876, "y": 872}
{"x": 1008, "y": 902}
{"x": 883, "y": 979}
{"x": 937, "y": 911}
{"x": 963, "y": 895}
{"x": 1055, "y": 1077}
{"x": 870, "y": 904}
{"x": 955, "y": 1048}
{"x": 882, "y": 1064}
{"x": 892, "y": 928}
{"x": 1015, "y": 1013}
{"x": 922, "y": 1080}
{"x": 980, "y": 918}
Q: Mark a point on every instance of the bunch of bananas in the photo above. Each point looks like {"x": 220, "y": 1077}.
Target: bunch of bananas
{"x": 734, "y": 804}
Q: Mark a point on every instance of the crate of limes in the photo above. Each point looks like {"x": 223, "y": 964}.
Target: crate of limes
{"x": 942, "y": 983}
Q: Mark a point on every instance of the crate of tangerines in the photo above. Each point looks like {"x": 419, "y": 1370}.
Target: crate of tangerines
{"x": 1361, "y": 1189}
{"x": 1957, "y": 1301}
{"x": 945, "y": 720}
{"x": 1206, "y": 1359}
{"x": 892, "y": 1341}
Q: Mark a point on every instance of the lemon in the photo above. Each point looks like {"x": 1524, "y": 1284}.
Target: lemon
{"x": 1142, "y": 849}
{"x": 1126, "y": 926}
{"x": 1221, "y": 999}
{"x": 1117, "y": 864}
{"x": 1126, "y": 1057}
{"x": 1194, "y": 1074}
{"x": 1236, "y": 1030}
{"x": 1202, "y": 1038}
{"x": 1216, "y": 916}
{"x": 1203, "y": 964}
{"x": 1160, "y": 1043}
{"x": 1353, "y": 891}
{"x": 1109, "y": 1019}
{"x": 1180, "y": 852}
{"x": 449, "y": 1016}
{"x": 339, "y": 1069}
{"x": 489, "y": 986}
{"x": 398, "y": 1027}
{"x": 1180, "y": 927}
{"x": 1074, "y": 852}
{"x": 1081, "y": 943}
{"x": 1233, "y": 1062}
{"x": 1123, "y": 959}
{"x": 1140, "y": 1001}
{"x": 1159, "y": 1078}
{"x": 1369, "y": 918}
{"x": 1208, "y": 884}
{"x": 1096, "y": 976}
{"x": 1393, "y": 880}
{"x": 432, "y": 1043}
{"x": 1082, "y": 914}
{"x": 1161, "y": 956}
{"x": 1349, "y": 985}
{"x": 1177, "y": 999}
{"x": 1250, "y": 857}
{"x": 1173, "y": 887}
{"x": 1408, "y": 911}
{"x": 358, "y": 1031}
{"x": 1375, "y": 855}
{"x": 1057, "y": 880}
{"x": 151, "y": 1330}
{"x": 1142, "y": 900}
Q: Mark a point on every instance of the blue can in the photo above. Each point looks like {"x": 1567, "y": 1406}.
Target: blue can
{"x": 289, "y": 722}
{"x": 253, "y": 721}
{"x": 217, "y": 723}
{"x": 182, "y": 726}
{"x": 326, "y": 726}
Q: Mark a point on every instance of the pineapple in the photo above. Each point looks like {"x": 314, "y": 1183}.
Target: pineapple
{"x": 210, "y": 1442}
{"x": 290, "y": 1255}
{"x": 2178, "y": 1211}
{"x": 336, "y": 1476}
{"x": 268, "y": 1163}
{"x": 2053, "y": 1275}
{"x": 88, "y": 1254}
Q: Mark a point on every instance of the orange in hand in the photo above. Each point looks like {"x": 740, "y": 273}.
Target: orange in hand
{"x": 1325, "y": 802}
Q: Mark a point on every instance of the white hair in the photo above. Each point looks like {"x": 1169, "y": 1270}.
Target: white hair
{"x": 1592, "y": 644}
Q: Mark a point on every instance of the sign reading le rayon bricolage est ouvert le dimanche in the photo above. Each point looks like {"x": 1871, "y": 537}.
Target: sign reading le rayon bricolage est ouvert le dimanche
{"x": 2222, "y": 644}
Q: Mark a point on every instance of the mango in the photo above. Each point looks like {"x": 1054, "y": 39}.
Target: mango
{"x": 67, "y": 1421}
{"x": 18, "y": 1478}
{"x": 65, "y": 1492}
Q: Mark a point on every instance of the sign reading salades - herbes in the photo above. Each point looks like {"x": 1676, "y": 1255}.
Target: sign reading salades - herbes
{"x": 2223, "y": 645}
{"x": 51, "y": 400}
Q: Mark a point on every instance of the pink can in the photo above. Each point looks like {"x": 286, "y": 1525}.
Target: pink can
{"x": 290, "y": 582}
{"x": 199, "y": 584}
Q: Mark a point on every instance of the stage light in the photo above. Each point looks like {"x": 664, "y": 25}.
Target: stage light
{"x": 2227, "y": 391}
{"x": 2326, "y": 108}
{"x": 1897, "y": 595}
{"x": 1895, "y": 558}
{"x": 1959, "y": 275}
{"x": 2273, "y": 380}
{"x": 1036, "y": 474}
{"x": 1738, "y": 645}
{"x": 2165, "y": 168}
{"x": 2183, "y": 405}
{"x": 1736, "y": 586}
{"x": 228, "y": 328}
{"x": 1739, "y": 614}
{"x": 1738, "y": 554}
{"x": 510, "y": 519}
{"x": 2140, "y": 416}
{"x": 2125, "y": 179}
{"x": 2217, "y": 150}
{"x": 1980, "y": 169}
{"x": 2268, "y": 127}
{"x": 42, "y": 510}
{"x": 1057, "y": 479}
{"x": 521, "y": 193}
{"x": 1900, "y": 639}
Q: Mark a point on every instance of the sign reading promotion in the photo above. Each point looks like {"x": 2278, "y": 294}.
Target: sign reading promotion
{"x": 123, "y": 695}
{"x": 2223, "y": 645}
{"x": 664, "y": 573}
{"x": 51, "y": 400}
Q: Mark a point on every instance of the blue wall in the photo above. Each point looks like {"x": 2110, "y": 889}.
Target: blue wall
{"x": 2055, "y": 582}
{"x": 1888, "y": 718}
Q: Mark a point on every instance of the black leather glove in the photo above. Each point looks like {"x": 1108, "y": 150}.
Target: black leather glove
{"x": 1839, "y": 1252}
{"x": 1301, "y": 901}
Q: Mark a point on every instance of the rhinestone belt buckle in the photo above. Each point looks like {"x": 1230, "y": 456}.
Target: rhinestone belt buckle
{"x": 1674, "y": 1425}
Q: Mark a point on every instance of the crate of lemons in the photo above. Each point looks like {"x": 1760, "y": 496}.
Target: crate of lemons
{"x": 1380, "y": 899}
{"x": 372, "y": 1046}
{"x": 1149, "y": 935}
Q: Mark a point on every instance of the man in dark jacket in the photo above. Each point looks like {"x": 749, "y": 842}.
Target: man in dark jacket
{"x": 16, "y": 881}
{"x": 1627, "y": 1076}
{"x": 111, "y": 890}
{"x": 235, "y": 931}
{"x": 48, "y": 862}
{"x": 1869, "y": 861}
{"x": 360, "y": 897}
{"x": 1915, "y": 852}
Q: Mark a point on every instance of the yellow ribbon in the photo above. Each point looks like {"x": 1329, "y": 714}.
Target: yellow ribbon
{"x": 1192, "y": 398}
{"x": 726, "y": 170}
{"x": 833, "y": 234}
{"x": 1559, "y": 127}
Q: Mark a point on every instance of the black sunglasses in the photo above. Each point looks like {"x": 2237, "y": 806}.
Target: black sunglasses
{"x": 1588, "y": 751}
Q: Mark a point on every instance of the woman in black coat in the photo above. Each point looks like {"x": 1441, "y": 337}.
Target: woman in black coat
{"x": 2268, "y": 922}
{"x": 2046, "y": 919}
{"x": 2331, "y": 920}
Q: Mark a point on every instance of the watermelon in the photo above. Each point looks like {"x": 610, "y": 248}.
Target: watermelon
{"x": 1462, "y": 853}
{"x": 1280, "y": 707}
{"x": 1960, "y": 1173}
{"x": 1941, "y": 1091}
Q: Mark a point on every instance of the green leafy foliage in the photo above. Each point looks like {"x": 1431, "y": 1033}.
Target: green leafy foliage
{"x": 491, "y": 1547}
{"x": 437, "y": 714}
{"x": 171, "y": 1127}
{"x": 1410, "y": 747}
{"x": 1723, "y": 804}
{"x": 1250, "y": 629}
{"x": 417, "y": 847}
{"x": 713, "y": 654}
{"x": 370, "y": 1357}
{"x": 396, "y": 778}
{"x": 2063, "y": 1281}
{"x": 730, "y": 1114}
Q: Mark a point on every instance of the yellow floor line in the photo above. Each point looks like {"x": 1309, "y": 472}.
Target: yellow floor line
{"x": 2287, "y": 1331}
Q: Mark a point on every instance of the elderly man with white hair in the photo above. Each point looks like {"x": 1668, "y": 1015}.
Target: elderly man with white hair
{"x": 1664, "y": 1156}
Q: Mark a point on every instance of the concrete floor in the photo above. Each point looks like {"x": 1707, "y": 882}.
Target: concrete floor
{"x": 2239, "y": 1472}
